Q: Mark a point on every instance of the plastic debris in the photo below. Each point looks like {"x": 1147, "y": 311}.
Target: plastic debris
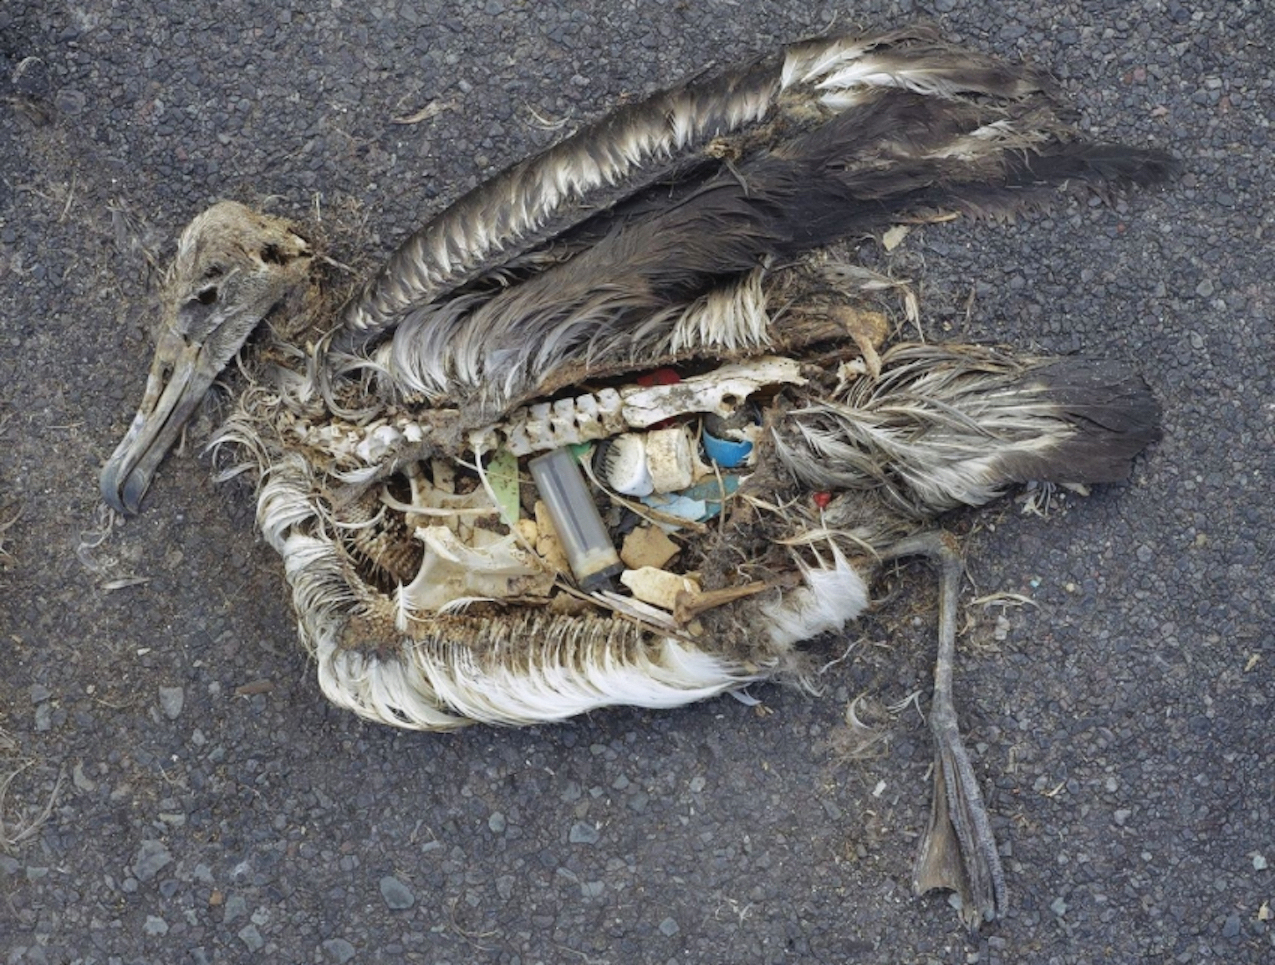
{"x": 658, "y": 587}
{"x": 727, "y": 453}
{"x": 647, "y": 546}
{"x": 502, "y": 477}
{"x": 581, "y": 531}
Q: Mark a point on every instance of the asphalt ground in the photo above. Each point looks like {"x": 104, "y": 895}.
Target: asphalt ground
{"x": 206, "y": 805}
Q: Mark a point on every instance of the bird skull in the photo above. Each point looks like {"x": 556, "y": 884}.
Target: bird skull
{"x": 233, "y": 268}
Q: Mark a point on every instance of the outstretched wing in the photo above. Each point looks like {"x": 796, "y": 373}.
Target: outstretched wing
{"x": 613, "y": 232}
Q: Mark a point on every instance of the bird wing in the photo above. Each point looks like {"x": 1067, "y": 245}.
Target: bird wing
{"x": 708, "y": 121}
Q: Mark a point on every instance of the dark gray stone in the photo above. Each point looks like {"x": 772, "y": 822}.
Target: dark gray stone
{"x": 337, "y": 950}
{"x": 396, "y": 894}
{"x": 152, "y": 856}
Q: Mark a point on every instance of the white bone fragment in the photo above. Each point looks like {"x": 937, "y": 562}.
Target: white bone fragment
{"x": 452, "y": 571}
{"x": 720, "y": 391}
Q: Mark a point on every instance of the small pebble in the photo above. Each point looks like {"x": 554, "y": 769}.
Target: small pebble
{"x": 583, "y": 833}
{"x": 151, "y": 857}
{"x": 251, "y": 937}
{"x": 396, "y": 894}
{"x": 70, "y": 101}
{"x": 236, "y": 907}
{"x": 82, "y": 780}
{"x": 155, "y": 926}
{"x": 669, "y": 927}
{"x": 171, "y": 700}
{"x": 337, "y": 950}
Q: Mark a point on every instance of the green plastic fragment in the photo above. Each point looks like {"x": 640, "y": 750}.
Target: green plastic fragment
{"x": 502, "y": 476}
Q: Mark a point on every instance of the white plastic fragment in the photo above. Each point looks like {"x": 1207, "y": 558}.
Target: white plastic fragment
{"x": 670, "y": 459}
{"x": 624, "y": 466}
{"x": 658, "y": 587}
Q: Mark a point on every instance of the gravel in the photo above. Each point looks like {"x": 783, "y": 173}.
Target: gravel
{"x": 1147, "y": 659}
{"x": 152, "y": 857}
{"x": 396, "y": 894}
{"x": 338, "y": 951}
{"x": 171, "y": 700}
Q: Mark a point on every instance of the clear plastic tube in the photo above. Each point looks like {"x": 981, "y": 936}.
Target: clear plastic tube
{"x": 583, "y": 535}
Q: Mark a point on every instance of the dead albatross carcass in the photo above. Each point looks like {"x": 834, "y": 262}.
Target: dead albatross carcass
{"x": 611, "y": 429}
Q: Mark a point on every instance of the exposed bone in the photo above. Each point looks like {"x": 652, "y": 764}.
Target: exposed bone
{"x": 552, "y": 425}
{"x": 433, "y": 505}
{"x": 452, "y": 571}
{"x": 586, "y": 418}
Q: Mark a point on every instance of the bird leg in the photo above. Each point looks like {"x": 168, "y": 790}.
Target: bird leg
{"x": 958, "y": 850}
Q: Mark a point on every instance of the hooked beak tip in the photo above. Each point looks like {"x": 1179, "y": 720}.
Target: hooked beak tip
{"x": 174, "y": 389}
{"x": 126, "y": 497}
{"x": 135, "y": 487}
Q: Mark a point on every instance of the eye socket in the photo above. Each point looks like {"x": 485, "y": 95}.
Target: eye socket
{"x": 271, "y": 255}
{"x": 208, "y": 296}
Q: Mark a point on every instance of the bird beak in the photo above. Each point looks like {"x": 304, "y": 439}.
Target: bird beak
{"x": 179, "y": 379}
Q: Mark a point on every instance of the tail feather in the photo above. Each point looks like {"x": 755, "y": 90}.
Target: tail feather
{"x": 1112, "y": 417}
{"x": 1033, "y": 180}
{"x": 954, "y": 425}
{"x": 902, "y": 153}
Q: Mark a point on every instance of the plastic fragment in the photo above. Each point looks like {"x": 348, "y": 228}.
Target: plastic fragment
{"x": 727, "y": 453}
{"x": 502, "y": 476}
{"x": 647, "y": 546}
{"x": 691, "y": 510}
{"x": 658, "y": 587}
{"x": 575, "y": 518}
